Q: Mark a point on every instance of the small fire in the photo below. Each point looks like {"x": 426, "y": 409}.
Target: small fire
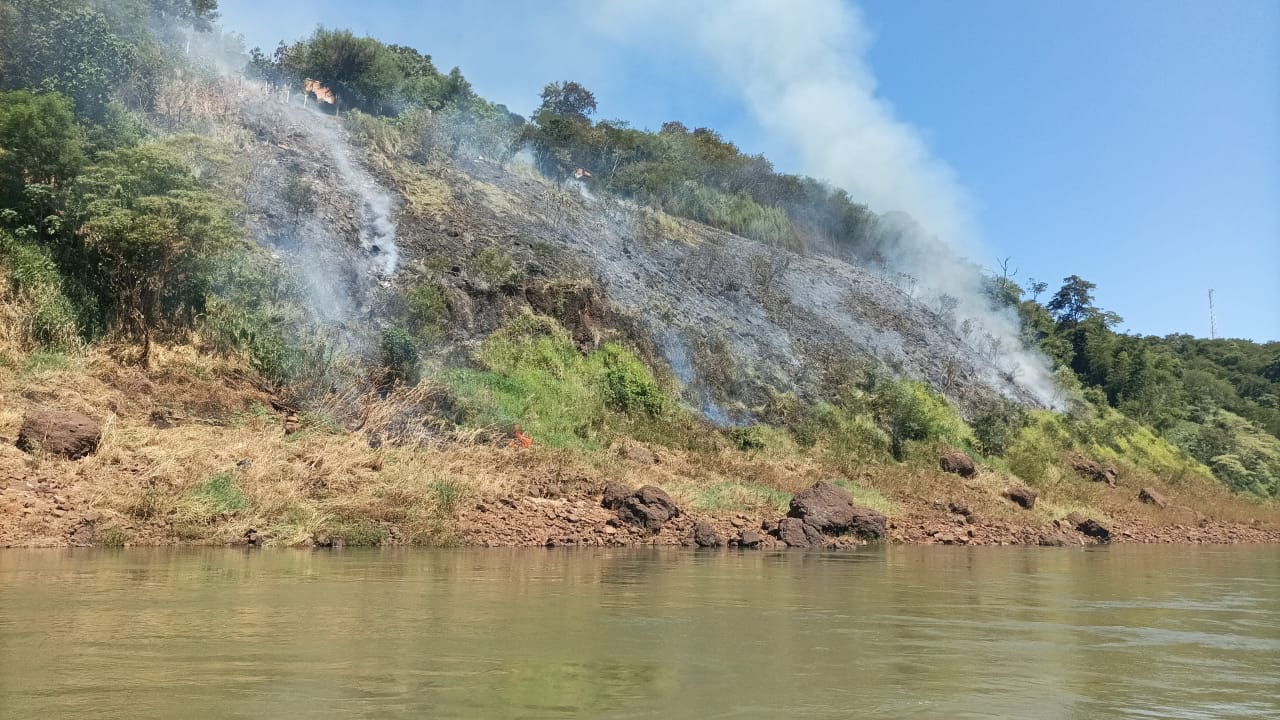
{"x": 521, "y": 441}
{"x": 322, "y": 93}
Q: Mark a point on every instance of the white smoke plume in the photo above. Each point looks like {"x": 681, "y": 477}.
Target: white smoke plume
{"x": 800, "y": 67}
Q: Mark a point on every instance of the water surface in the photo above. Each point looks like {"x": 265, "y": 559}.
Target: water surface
{"x": 1136, "y": 632}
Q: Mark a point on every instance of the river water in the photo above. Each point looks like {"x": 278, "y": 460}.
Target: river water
{"x": 898, "y": 632}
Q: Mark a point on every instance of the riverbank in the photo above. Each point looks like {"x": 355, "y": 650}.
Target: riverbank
{"x": 194, "y": 452}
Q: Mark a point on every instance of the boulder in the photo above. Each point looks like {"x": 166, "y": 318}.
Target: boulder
{"x": 1151, "y": 497}
{"x": 1095, "y": 471}
{"x": 1022, "y": 496}
{"x": 705, "y": 535}
{"x": 798, "y": 533}
{"x": 649, "y": 507}
{"x": 614, "y": 495}
{"x": 1095, "y": 529}
{"x": 750, "y": 539}
{"x": 69, "y": 434}
{"x": 957, "y": 463}
{"x": 829, "y": 509}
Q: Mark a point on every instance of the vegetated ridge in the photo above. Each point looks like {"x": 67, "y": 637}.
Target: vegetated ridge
{"x": 232, "y": 314}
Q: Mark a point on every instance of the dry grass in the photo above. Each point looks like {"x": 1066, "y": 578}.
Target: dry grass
{"x": 192, "y": 452}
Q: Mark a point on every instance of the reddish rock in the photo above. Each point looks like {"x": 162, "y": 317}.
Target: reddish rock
{"x": 1022, "y": 496}
{"x": 705, "y": 535}
{"x": 798, "y": 533}
{"x": 70, "y": 434}
{"x": 1095, "y": 471}
{"x": 830, "y": 509}
{"x": 1095, "y": 529}
{"x": 958, "y": 463}
{"x": 615, "y": 494}
{"x": 1151, "y": 497}
{"x": 649, "y": 507}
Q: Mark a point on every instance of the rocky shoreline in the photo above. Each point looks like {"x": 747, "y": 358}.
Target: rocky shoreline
{"x": 601, "y": 521}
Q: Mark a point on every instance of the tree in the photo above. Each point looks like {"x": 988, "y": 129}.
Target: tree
{"x": 568, "y": 99}
{"x": 153, "y": 234}
{"x": 1073, "y": 302}
{"x": 40, "y": 143}
{"x": 362, "y": 72}
{"x": 65, "y": 46}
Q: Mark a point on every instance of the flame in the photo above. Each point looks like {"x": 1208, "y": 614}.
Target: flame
{"x": 521, "y": 441}
{"x": 322, "y": 93}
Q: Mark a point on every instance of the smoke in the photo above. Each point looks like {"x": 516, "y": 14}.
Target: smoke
{"x": 800, "y": 68}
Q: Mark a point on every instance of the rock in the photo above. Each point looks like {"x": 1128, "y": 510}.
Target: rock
{"x": 614, "y": 495}
{"x": 70, "y": 434}
{"x": 1057, "y": 539}
{"x": 1151, "y": 497}
{"x": 957, "y": 463}
{"x": 1094, "y": 471}
{"x": 750, "y": 539}
{"x": 1095, "y": 529}
{"x": 960, "y": 509}
{"x": 1022, "y": 496}
{"x": 649, "y": 507}
{"x": 828, "y": 508}
{"x": 704, "y": 535}
{"x": 798, "y": 533}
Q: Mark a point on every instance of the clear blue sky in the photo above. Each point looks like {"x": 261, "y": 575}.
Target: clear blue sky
{"x": 1135, "y": 143}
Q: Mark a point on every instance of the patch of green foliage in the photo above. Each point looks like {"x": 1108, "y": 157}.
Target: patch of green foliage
{"x": 532, "y": 374}
{"x": 495, "y": 267}
{"x": 218, "y": 495}
{"x": 398, "y": 356}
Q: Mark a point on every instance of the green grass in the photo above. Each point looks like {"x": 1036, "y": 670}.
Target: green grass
{"x": 217, "y": 496}
{"x": 531, "y": 374}
{"x": 733, "y": 497}
{"x": 867, "y": 497}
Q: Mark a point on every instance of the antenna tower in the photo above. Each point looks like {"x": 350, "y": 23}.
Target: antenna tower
{"x": 1213, "y": 319}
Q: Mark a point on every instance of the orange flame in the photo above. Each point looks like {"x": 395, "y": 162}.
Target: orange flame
{"x": 322, "y": 93}
{"x": 521, "y": 440}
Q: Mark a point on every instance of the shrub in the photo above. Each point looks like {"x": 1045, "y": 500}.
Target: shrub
{"x": 398, "y": 356}
{"x": 426, "y": 309}
{"x": 496, "y": 267}
{"x": 627, "y": 384}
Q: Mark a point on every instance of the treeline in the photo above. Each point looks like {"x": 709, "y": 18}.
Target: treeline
{"x": 1217, "y": 400}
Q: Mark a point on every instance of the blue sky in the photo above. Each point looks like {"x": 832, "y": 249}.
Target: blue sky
{"x": 1134, "y": 143}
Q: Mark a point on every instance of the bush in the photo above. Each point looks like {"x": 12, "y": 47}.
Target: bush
{"x": 496, "y": 267}
{"x": 426, "y": 309}
{"x": 398, "y": 356}
{"x": 627, "y": 384}
{"x": 909, "y": 411}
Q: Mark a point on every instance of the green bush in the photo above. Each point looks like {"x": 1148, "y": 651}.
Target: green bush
{"x": 398, "y": 356}
{"x": 628, "y": 384}
{"x": 426, "y": 309}
{"x": 909, "y": 411}
{"x": 496, "y": 267}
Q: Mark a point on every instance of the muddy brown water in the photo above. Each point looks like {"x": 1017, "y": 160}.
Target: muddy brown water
{"x": 899, "y": 632}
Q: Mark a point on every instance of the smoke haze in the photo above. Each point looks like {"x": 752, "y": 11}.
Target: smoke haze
{"x": 800, "y": 68}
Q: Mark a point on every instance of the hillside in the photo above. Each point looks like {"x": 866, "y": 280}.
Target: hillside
{"x": 408, "y": 323}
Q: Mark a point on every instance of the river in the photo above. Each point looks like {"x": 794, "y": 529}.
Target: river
{"x": 896, "y": 632}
